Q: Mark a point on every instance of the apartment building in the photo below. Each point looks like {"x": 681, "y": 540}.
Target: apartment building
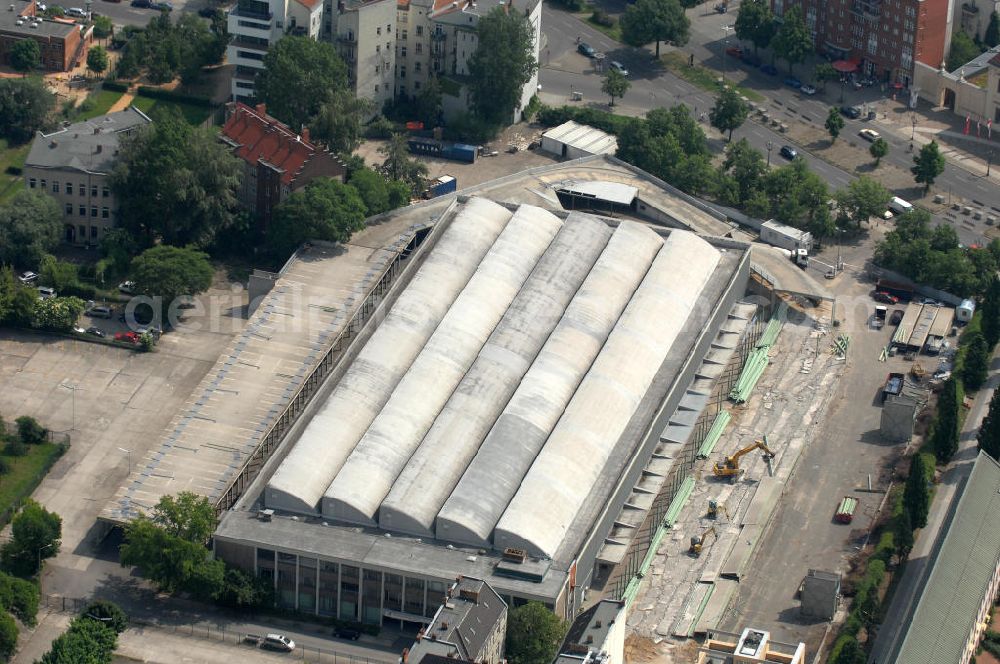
{"x": 74, "y": 164}
{"x": 413, "y": 46}
{"x": 883, "y": 38}
{"x": 255, "y": 25}
{"x": 62, "y": 43}
{"x": 364, "y": 34}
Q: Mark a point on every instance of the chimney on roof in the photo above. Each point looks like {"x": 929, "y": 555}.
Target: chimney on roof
{"x": 99, "y": 148}
{"x": 97, "y": 130}
{"x": 261, "y": 109}
{"x": 305, "y": 134}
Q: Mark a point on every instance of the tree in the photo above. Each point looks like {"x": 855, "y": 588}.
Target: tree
{"x": 755, "y": 23}
{"x": 798, "y": 197}
{"x": 834, "y": 123}
{"x": 792, "y": 42}
{"x": 427, "y": 103}
{"x": 103, "y": 27}
{"x": 29, "y": 431}
{"x": 168, "y": 273}
{"x": 85, "y": 642}
{"x": 8, "y": 635}
{"x": 849, "y": 653}
{"x": 975, "y": 369}
{"x": 25, "y": 56}
{"x": 243, "y": 590}
{"x": 97, "y": 59}
{"x": 615, "y": 85}
{"x": 107, "y": 613}
{"x": 25, "y": 105}
{"x": 171, "y": 562}
{"x": 175, "y": 182}
{"x": 338, "y": 124}
{"x": 902, "y": 534}
{"x": 57, "y": 274}
{"x": 729, "y": 112}
{"x": 30, "y": 227}
{"x": 916, "y": 495}
{"x": 533, "y": 634}
{"x": 990, "y": 311}
{"x": 325, "y": 210}
{"x": 862, "y": 199}
{"x": 747, "y": 167}
{"x": 944, "y": 430}
{"x": 963, "y": 49}
{"x": 398, "y": 164}
{"x": 878, "y": 149}
{"x": 503, "y": 63}
{"x": 824, "y": 72}
{"x": 300, "y": 76}
{"x": 929, "y": 163}
{"x": 379, "y": 194}
{"x": 35, "y": 537}
{"x": 188, "y": 516}
{"x": 989, "y": 431}
{"x": 992, "y": 35}
{"x": 655, "y": 21}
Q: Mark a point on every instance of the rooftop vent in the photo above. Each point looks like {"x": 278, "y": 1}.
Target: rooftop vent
{"x": 265, "y": 515}
{"x": 11, "y": 8}
{"x": 513, "y": 555}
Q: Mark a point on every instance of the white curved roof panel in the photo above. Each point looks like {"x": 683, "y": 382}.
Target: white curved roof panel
{"x": 574, "y": 456}
{"x": 302, "y": 477}
{"x": 437, "y": 465}
{"x": 368, "y": 474}
{"x": 492, "y": 479}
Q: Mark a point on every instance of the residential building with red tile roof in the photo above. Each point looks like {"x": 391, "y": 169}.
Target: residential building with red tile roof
{"x": 276, "y": 160}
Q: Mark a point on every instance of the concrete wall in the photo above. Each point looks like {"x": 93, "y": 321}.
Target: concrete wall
{"x": 936, "y": 87}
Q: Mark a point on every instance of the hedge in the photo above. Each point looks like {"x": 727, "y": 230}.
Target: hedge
{"x": 838, "y": 645}
{"x": 115, "y": 86}
{"x": 551, "y": 116}
{"x": 886, "y": 547}
{"x": 167, "y": 95}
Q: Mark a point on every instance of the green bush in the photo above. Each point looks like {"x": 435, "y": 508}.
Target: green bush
{"x": 14, "y": 170}
{"x": 15, "y": 448}
{"x": 551, "y": 116}
{"x": 115, "y": 86}
{"x": 177, "y": 97}
{"x": 852, "y": 625}
{"x": 20, "y": 597}
{"x": 30, "y": 431}
{"x": 601, "y": 17}
{"x": 107, "y": 613}
{"x": 380, "y": 127}
{"x": 886, "y": 547}
{"x": 4, "y": 467}
{"x": 8, "y": 636}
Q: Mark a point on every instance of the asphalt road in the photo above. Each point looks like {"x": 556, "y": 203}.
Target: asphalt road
{"x": 563, "y": 70}
{"x": 123, "y": 13}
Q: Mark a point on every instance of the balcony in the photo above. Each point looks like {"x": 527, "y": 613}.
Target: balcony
{"x": 347, "y": 38}
{"x": 255, "y": 16}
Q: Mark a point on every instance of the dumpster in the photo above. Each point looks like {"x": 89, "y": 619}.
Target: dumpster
{"x": 845, "y": 510}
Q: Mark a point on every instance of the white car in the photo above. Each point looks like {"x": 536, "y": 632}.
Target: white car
{"x": 127, "y": 287}
{"x": 619, "y": 67}
{"x": 869, "y": 135}
{"x": 76, "y": 11}
{"x": 27, "y": 277}
{"x": 44, "y": 292}
{"x": 808, "y": 90}
{"x": 278, "y": 642}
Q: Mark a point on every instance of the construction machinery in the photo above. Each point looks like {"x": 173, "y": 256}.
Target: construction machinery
{"x": 698, "y": 541}
{"x": 917, "y": 371}
{"x": 731, "y": 466}
{"x": 714, "y": 508}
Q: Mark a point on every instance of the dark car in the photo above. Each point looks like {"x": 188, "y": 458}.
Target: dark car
{"x": 751, "y": 60}
{"x": 885, "y": 298}
{"x": 734, "y": 52}
{"x": 586, "y": 49}
{"x": 793, "y": 82}
{"x": 852, "y": 112}
{"x": 770, "y": 70}
{"x": 788, "y": 152}
{"x": 95, "y": 331}
{"x": 347, "y": 633}
{"x": 209, "y": 12}
{"x": 896, "y": 317}
{"x": 163, "y": 6}
{"x": 142, "y": 4}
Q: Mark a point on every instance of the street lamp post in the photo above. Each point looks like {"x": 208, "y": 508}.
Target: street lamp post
{"x": 770, "y": 146}
{"x": 725, "y": 46}
{"x": 129, "y": 453}
{"x": 72, "y": 389}
{"x": 40, "y": 549}
{"x": 989, "y": 163}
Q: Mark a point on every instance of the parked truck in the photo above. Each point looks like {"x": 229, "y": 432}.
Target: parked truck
{"x": 443, "y": 149}
{"x": 893, "y": 385}
{"x": 902, "y": 291}
{"x": 446, "y": 184}
{"x": 793, "y": 240}
{"x": 800, "y": 256}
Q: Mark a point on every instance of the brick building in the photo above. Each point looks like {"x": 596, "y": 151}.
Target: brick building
{"x": 276, "y": 160}
{"x": 63, "y": 42}
{"x": 883, "y": 38}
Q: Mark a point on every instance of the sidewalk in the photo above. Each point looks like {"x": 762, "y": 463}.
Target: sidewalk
{"x": 929, "y": 539}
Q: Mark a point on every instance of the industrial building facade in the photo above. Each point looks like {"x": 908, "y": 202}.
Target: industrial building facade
{"x": 524, "y": 358}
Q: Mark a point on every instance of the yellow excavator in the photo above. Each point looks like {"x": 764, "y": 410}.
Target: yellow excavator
{"x": 731, "y": 466}
{"x": 714, "y": 508}
{"x": 698, "y": 541}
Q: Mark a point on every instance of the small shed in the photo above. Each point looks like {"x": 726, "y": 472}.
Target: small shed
{"x": 820, "y": 591}
{"x": 899, "y": 411}
{"x": 572, "y": 140}
{"x": 964, "y": 311}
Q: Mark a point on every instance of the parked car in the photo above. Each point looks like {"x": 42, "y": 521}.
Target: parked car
{"x": 619, "y": 67}
{"x": 95, "y": 331}
{"x": 721, "y": 8}
{"x": 885, "y": 298}
{"x": 770, "y": 70}
{"x": 793, "y": 82}
{"x": 163, "y": 6}
{"x": 208, "y": 12}
{"x": 808, "y": 89}
{"x": 143, "y": 4}
{"x": 27, "y": 277}
{"x": 45, "y": 292}
{"x": 735, "y": 51}
{"x": 347, "y": 633}
{"x": 127, "y": 287}
{"x": 127, "y": 337}
{"x": 869, "y": 135}
{"x": 852, "y": 112}
{"x": 100, "y": 312}
{"x": 896, "y": 317}
{"x": 278, "y": 642}
{"x": 752, "y": 60}
{"x": 586, "y": 49}
{"x": 788, "y": 152}
{"x": 77, "y": 12}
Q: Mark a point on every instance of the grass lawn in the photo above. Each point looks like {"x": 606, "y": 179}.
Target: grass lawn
{"x": 11, "y": 156}
{"x": 97, "y": 103}
{"x": 25, "y": 473}
{"x": 703, "y": 77}
{"x": 195, "y": 115}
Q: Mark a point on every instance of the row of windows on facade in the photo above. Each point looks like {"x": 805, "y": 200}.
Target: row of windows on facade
{"x": 348, "y": 592}
{"x": 42, "y": 184}
{"x": 81, "y": 233}
{"x": 105, "y": 211}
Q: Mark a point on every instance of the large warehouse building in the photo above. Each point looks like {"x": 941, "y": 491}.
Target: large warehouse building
{"x": 499, "y": 416}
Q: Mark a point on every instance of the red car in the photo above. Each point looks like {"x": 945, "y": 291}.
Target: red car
{"x": 127, "y": 337}
{"x": 735, "y": 52}
{"x": 886, "y": 298}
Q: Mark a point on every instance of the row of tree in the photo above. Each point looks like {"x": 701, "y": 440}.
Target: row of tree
{"x": 25, "y": 106}
{"x": 165, "y": 49}
{"x": 788, "y": 37}
{"x": 92, "y": 636}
